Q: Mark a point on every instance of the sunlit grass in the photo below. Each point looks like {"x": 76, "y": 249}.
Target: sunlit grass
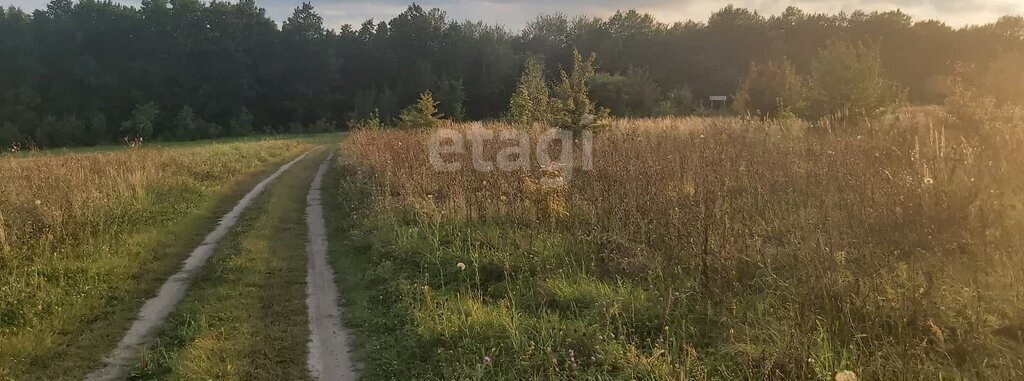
{"x": 86, "y": 237}
{"x": 697, "y": 248}
{"x": 245, "y": 316}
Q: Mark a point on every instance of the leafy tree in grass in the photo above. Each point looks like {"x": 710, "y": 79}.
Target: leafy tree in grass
{"x": 141, "y": 122}
{"x": 519, "y": 107}
{"x": 771, "y": 89}
{"x": 984, "y": 101}
{"x": 847, "y": 78}
{"x": 572, "y": 107}
{"x": 422, "y": 115}
{"x": 531, "y": 102}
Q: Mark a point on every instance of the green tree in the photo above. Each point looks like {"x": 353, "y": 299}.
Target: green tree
{"x": 531, "y": 102}
{"x": 304, "y": 22}
{"x": 422, "y": 115}
{"x": 771, "y": 89}
{"x": 241, "y": 124}
{"x": 141, "y": 122}
{"x": 8, "y": 136}
{"x": 98, "y": 131}
{"x": 451, "y": 96}
{"x": 73, "y": 58}
{"x": 1003, "y": 80}
{"x": 53, "y": 132}
{"x": 185, "y": 124}
{"x": 572, "y": 107}
{"x": 677, "y": 102}
{"x": 320, "y": 126}
{"x": 631, "y": 94}
{"x": 847, "y": 78}
{"x": 520, "y": 110}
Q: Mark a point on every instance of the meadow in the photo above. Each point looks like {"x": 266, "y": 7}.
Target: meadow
{"x": 85, "y": 237}
{"x": 696, "y": 248}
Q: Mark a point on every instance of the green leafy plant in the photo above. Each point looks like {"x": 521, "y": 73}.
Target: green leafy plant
{"x": 422, "y": 115}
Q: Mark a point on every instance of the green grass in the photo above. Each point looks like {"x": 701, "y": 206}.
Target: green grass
{"x": 245, "y": 317}
{"x": 69, "y": 295}
{"x": 696, "y": 249}
{"x": 110, "y": 148}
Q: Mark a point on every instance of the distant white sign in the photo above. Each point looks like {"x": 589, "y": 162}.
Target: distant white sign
{"x": 722, "y": 98}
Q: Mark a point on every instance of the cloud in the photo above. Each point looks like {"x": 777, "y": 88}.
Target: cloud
{"x": 516, "y": 13}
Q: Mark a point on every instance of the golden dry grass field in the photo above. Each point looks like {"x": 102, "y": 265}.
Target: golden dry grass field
{"x": 696, "y": 248}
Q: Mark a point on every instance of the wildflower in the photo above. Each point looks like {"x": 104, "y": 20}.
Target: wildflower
{"x": 846, "y": 376}
{"x": 461, "y": 266}
{"x": 487, "y": 360}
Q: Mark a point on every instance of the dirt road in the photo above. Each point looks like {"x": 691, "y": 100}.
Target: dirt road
{"x": 329, "y": 358}
{"x": 328, "y": 355}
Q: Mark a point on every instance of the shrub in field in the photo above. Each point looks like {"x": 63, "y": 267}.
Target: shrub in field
{"x": 983, "y": 111}
{"x": 847, "y": 78}
{"x": 696, "y": 248}
{"x": 423, "y": 115}
{"x": 372, "y": 122}
{"x": 571, "y": 107}
{"x": 770, "y": 90}
{"x": 531, "y": 102}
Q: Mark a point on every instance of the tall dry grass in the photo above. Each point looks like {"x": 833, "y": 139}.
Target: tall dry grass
{"x": 711, "y": 248}
{"x": 80, "y": 232}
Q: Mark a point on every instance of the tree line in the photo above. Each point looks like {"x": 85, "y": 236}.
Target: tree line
{"x": 93, "y": 72}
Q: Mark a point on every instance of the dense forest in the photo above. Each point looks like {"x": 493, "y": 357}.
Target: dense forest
{"x": 89, "y": 72}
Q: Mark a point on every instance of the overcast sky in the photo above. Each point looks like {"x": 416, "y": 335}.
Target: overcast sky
{"x": 515, "y": 13}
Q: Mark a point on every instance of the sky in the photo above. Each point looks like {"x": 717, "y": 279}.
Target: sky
{"x": 514, "y": 14}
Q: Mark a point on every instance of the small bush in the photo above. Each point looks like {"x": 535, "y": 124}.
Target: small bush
{"x": 847, "y": 79}
{"x": 422, "y": 116}
{"x": 771, "y": 89}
